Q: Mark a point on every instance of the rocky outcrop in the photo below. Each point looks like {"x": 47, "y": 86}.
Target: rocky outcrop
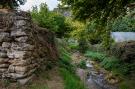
{"x": 24, "y": 47}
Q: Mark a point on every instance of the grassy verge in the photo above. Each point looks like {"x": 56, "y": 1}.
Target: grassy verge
{"x": 111, "y": 63}
{"x": 71, "y": 81}
{"x": 118, "y": 68}
{"x": 67, "y": 71}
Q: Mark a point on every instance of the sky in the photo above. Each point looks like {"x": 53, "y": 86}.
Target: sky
{"x": 28, "y": 5}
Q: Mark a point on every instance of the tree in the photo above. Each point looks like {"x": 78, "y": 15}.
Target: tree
{"x": 51, "y": 20}
{"x": 11, "y": 3}
{"x": 101, "y": 11}
{"x": 97, "y": 9}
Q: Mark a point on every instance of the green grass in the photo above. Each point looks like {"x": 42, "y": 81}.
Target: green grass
{"x": 38, "y": 86}
{"x": 95, "y": 56}
{"x": 67, "y": 71}
{"x": 127, "y": 84}
{"x": 111, "y": 63}
{"x": 121, "y": 69}
{"x": 82, "y": 64}
{"x": 71, "y": 81}
{"x": 73, "y": 46}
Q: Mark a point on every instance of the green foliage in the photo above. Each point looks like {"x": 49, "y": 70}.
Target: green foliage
{"x": 50, "y": 20}
{"x": 111, "y": 63}
{"x": 93, "y": 32}
{"x": 65, "y": 56}
{"x": 73, "y": 44}
{"x": 67, "y": 69}
{"x": 65, "y": 62}
{"x": 78, "y": 33}
{"x": 83, "y": 46}
{"x": 95, "y": 55}
{"x": 99, "y": 9}
{"x": 82, "y": 64}
{"x": 99, "y": 13}
{"x": 11, "y": 3}
{"x": 127, "y": 84}
{"x": 71, "y": 81}
{"x": 77, "y": 28}
{"x": 124, "y": 24}
{"x": 6, "y": 82}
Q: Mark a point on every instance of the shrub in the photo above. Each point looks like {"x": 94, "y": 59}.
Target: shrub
{"x": 123, "y": 24}
{"x": 50, "y": 20}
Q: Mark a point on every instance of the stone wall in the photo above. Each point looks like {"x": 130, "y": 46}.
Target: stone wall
{"x": 24, "y": 47}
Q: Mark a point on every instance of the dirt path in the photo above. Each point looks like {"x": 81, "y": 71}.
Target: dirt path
{"x": 77, "y": 57}
{"x": 55, "y": 81}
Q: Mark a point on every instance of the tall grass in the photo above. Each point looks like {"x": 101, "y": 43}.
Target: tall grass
{"x": 111, "y": 63}
{"x": 67, "y": 71}
{"x": 71, "y": 81}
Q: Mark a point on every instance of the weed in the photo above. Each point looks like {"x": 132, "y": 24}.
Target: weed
{"x": 67, "y": 71}
{"x": 82, "y": 64}
{"x": 71, "y": 81}
{"x": 6, "y": 82}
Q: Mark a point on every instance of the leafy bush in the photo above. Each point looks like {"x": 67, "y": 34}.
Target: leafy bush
{"x": 93, "y": 32}
{"x": 124, "y": 24}
{"x": 83, "y": 46}
{"x": 50, "y": 20}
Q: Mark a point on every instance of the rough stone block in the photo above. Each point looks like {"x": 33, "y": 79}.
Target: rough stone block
{"x": 19, "y": 69}
{"x": 20, "y": 23}
{"x": 16, "y": 54}
{"x": 3, "y": 55}
{"x": 25, "y": 80}
{"x": 4, "y": 36}
{"x": 3, "y": 49}
{"x": 22, "y": 46}
{"x": 2, "y": 70}
{"x": 3, "y": 60}
{"x": 18, "y": 32}
{"x": 20, "y": 62}
{"x": 20, "y": 76}
{"x": 4, "y": 65}
{"x": 21, "y": 39}
{"x": 4, "y": 30}
{"x": 6, "y": 45}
